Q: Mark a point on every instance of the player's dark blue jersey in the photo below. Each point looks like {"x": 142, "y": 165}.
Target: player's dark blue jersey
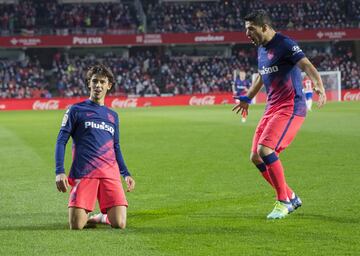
{"x": 282, "y": 78}
{"x": 96, "y": 150}
{"x": 241, "y": 86}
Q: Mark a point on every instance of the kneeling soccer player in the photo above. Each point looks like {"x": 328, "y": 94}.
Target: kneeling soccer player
{"x": 97, "y": 158}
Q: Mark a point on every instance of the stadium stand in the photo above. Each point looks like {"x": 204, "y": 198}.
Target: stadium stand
{"x": 27, "y": 17}
{"x": 227, "y": 15}
{"x": 160, "y": 70}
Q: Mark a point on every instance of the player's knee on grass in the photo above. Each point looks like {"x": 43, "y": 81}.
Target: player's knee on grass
{"x": 77, "y": 218}
{"x": 118, "y": 223}
{"x": 117, "y": 216}
{"x": 77, "y": 224}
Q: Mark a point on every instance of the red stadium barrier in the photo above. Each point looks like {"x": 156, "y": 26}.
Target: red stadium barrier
{"x": 167, "y": 38}
{"x": 122, "y": 102}
{"x": 118, "y": 102}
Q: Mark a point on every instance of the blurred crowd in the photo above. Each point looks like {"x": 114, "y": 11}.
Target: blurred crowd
{"x": 48, "y": 16}
{"x": 227, "y": 15}
{"x": 23, "y": 79}
{"x": 146, "y": 73}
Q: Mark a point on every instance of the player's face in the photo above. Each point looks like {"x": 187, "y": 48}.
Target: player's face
{"x": 99, "y": 85}
{"x": 254, "y": 33}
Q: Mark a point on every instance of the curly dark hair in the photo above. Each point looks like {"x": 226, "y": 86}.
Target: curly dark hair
{"x": 102, "y": 70}
{"x": 259, "y": 18}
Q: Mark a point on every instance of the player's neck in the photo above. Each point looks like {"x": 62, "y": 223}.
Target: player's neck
{"x": 100, "y": 102}
{"x": 269, "y": 36}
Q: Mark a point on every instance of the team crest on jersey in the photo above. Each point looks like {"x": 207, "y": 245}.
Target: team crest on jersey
{"x": 270, "y": 54}
{"x": 111, "y": 118}
{"x": 65, "y": 119}
{"x": 296, "y": 49}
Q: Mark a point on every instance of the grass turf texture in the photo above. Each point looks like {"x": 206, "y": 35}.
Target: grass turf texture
{"x": 197, "y": 193}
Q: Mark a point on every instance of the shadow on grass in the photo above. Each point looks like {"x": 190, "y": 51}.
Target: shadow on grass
{"x": 48, "y": 226}
{"x": 334, "y": 219}
{"x": 33, "y": 227}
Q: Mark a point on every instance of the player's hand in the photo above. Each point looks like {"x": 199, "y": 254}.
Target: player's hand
{"x": 241, "y": 107}
{"x": 130, "y": 182}
{"x": 62, "y": 182}
{"x": 322, "y": 96}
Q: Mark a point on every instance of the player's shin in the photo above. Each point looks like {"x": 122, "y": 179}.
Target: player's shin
{"x": 265, "y": 173}
{"x": 276, "y": 172}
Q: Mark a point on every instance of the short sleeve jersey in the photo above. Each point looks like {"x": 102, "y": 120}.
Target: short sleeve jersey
{"x": 282, "y": 78}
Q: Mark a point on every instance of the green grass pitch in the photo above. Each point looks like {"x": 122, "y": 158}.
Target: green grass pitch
{"x": 197, "y": 192}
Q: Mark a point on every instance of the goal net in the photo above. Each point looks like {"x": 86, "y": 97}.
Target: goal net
{"x": 331, "y": 81}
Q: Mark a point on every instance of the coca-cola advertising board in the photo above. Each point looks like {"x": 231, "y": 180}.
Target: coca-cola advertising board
{"x": 122, "y": 102}
{"x": 117, "y": 102}
{"x": 351, "y": 95}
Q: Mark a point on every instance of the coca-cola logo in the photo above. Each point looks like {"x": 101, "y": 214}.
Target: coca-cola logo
{"x": 352, "y": 96}
{"x": 205, "y": 100}
{"x": 127, "y": 103}
{"x": 45, "y": 105}
{"x": 2, "y": 106}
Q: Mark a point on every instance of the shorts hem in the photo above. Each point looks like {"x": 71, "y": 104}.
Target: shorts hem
{"x": 104, "y": 209}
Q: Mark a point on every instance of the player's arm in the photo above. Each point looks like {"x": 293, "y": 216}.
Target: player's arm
{"x": 124, "y": 172}
{"x": 67, "y": 127}
{"x": 305, "y": 65}
{"x": 61, "y": 180}
{"x": 243, "y": 106}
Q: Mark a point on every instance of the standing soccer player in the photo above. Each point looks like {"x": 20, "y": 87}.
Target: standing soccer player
{"x": 308, "y": 85}
{"x": 240, "y": 87}
{"x": 279, "y": 60}
{"x": 97, "y": 158}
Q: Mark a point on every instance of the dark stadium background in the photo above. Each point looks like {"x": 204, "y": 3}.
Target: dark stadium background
{"x": 161, "y": 48}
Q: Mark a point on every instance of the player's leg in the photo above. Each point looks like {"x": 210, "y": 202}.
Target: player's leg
{"x": 309, "y": 100}
{"x": 276, "y": 171}
{"x": 260, "y": 165}
{"x": 77, "y": 218}
{"x": 112, "y": 203}
{"x": 254, "y": 156}
{"x": 288, "y": 137}
{"x": 117, "y": 216}
{"x": 81, "y": 201}
{"x": 278, "y": 134}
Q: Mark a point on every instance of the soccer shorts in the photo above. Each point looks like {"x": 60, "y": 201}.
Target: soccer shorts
{"x": 276, "y": 131}
{"x": 85, "y": 191}
{"x": 308, "y": 95}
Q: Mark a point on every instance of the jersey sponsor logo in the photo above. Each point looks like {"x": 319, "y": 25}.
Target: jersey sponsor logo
{"x": 101, "y": 126}
{"x": 268, "y": 70}
{"x": 296, "y": 49}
